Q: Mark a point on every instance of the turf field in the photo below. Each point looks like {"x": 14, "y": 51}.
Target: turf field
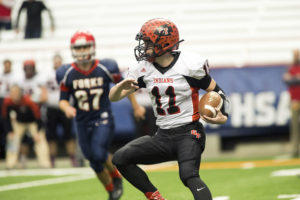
{"x": 235, "y": 180}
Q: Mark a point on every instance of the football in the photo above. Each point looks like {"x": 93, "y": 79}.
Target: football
{"x": 208, "y": 102}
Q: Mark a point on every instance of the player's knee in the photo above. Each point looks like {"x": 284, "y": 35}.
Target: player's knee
{"x": 97, "y": 167}
{"x": 86, "y": 154}
{"x": 100, "y": 156}
{"x": 187, "y": 171}
{"x": 119, "y": 157}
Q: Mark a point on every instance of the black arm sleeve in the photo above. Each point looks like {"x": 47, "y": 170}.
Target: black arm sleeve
{"x": 225, "y": 106}
{"x": 202, "y": 83}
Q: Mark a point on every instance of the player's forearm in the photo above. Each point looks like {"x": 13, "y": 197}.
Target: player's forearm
{"x": 133, "y": 101}
{"x": 51, "y": 18}
{"x": 116, "y": 93}
{"x": 63, "y": 105}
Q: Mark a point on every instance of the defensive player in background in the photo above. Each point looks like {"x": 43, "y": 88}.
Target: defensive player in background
{"x": 56, "y": 117}
{"x": 33, "y": 85}
{"x": 22, "y": 114}
{"x": 5, "y": 78}
{"x": 172, "y": 79}
{"x": 87, "y": 80}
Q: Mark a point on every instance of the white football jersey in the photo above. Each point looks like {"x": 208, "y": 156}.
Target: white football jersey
{"x": 4, "y": 84}
{"x": 174, "y": 98}
{"x": 32, "y": 86}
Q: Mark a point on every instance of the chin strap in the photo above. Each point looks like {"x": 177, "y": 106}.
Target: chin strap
{"x": 169, "y": 49}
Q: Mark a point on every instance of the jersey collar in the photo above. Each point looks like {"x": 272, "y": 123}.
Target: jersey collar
{"x": 96, "y": 62}
{"x": 163, "y": 70}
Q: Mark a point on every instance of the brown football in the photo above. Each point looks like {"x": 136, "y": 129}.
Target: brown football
{"x": 208, "y": 102}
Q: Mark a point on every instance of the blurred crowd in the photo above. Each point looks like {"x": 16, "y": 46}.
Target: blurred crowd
{"x": 30, "y": 117}
{"x": 33, "y": 24}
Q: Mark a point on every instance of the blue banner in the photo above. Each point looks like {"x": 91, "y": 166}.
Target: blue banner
{"x": 259, "y": 100}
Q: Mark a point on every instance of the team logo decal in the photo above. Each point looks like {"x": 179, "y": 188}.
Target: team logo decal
{"x": 194, "y": 132}
{"x": 163, "y": 30}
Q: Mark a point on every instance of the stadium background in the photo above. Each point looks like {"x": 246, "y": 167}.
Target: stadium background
{"x": 248, "y": 43}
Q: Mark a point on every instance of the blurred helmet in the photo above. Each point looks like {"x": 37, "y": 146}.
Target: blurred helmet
{"x": 29, "y": 68}
{"x": 29, "y": 62}
{"x": 85, "y": 40}
{"x": 162, "y": 33}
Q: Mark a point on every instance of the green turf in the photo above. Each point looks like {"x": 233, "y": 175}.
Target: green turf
{"x": 238, "y": 184}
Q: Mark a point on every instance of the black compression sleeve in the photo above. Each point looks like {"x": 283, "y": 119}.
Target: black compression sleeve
{"x": 224, "y": 109}
{"x": 218, "y": 89}
{"x": 202, "y": 83}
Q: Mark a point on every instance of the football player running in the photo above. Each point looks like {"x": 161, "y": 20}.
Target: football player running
{"x": 87, "y": 81}
{"x": 172, "y": 79}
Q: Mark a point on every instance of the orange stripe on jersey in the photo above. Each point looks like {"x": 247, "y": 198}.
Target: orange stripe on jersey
{"x": 64, "y": 88}
{"x": 195, "y": 99}
{"x": 117, "y": 77}
{"x": 34, "y": 107}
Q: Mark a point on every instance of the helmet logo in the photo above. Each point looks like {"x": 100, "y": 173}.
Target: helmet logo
{"x": 81, "y": 41}
{"x": 163, "y": 30}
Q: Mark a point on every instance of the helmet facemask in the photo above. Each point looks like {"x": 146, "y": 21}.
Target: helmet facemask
{"x": 141, "y": 51}
{"x": 83, "y": 56}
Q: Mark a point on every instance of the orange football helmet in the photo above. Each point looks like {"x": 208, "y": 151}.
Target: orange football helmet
{"x": 83, "y": 39}
{"x": 162, "y": 33}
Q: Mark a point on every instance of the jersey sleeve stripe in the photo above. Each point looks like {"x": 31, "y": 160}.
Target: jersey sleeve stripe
{"x": 33, "y": 106}
{"x": 195, "y": 100}
{"x": 117, "y": 77}
{"x": 107, "y": 72}
{"x": 66, "y": 75}
{"x": 63, "y": 88}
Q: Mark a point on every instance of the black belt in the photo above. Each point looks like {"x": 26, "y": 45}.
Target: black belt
{"x": 181, "y": 129}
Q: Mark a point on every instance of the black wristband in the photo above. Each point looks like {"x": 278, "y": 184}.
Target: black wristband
{"x": 224, "y": 108}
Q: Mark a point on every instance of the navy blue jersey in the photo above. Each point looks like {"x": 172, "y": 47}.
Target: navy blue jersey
{"x": 89, "y": 89}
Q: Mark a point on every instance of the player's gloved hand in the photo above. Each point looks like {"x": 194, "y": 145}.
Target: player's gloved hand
{"x": 70, "y": 112}
{"x": 139, "y": 113}
{"x": 218, "y": 119}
